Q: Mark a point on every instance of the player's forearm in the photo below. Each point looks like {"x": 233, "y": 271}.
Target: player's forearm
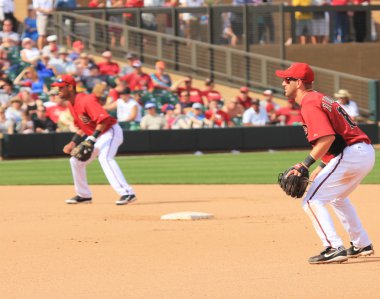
{"x": 322, "y": 146}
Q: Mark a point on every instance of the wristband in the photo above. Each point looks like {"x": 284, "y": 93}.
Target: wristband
{"x": 322, "y": 165}
{"x": 96, "y": 134}
{"x": 309, "y": 160}
{"x": 77, "y": 139}
{"x": 93, "y": 137}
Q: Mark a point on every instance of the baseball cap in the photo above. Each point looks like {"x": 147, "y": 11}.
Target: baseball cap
{"x": 297, "y": 70}
{"x": 62, "y": 50}
{"x": 150, "y": 105}
{"x": 267, "y": 92}
{"x": 167, "y": 107}
{"x": 126, "y": 90}
{"x": 197, "y": 106}
{"x": 26, "y": 40}
{"x": 244, "y": 89}
{"x": 136, "y": 63}
{"x": 160, "y": 64}
{"x": 78, "y": 44}
{"x": 342, "y": 93}
{"x": 51, "y": 38}
{"x": 65, "y": 80}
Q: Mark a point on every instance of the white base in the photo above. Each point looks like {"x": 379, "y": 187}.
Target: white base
{"x": 187, "y": 216}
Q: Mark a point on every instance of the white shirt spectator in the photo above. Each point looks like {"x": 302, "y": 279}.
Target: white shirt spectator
{"x": 351, "y": 108}
{"x": 251, "y": 117}
{"x": 124, "y": 110}
{"x": 43, "y": 4}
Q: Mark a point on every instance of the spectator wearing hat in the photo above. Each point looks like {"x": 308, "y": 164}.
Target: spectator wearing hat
{"x": 108, "y": 67}
{"x": 217, "y": 117}
{"x": 52, "y": 44}
{"x": 13, "y": 113}
{"x": 29, "y": 51}
{"x": 128, "y": 68}
{"x": 289, "y": 115}
{"x": 270, "y": 106}
{"x": 169, "y": 113}
{"x": 160, "y": 79}
{"x": 44, "y": 68}
{"x": 54, "y": 111}
{"x": 243, "y": 97}
{"x": 194, "y": 94}
{"x": 151, "y": 120}
{"x": 43, "y": 9}
{"x": 93, "y": 78}
{"x": 7, "y": 31}
{"x": 209, "y": 93}
{"x": 344, "y": 99}
{"x": 234, "y": 110}
{"x": 255, "y": 116}
{"x": 6, "y": 92}
{"x": 127, "y": 108}
{"x": 197, "y": 117}
{"x": 78, "y": 48}
{"x": 30, "y": 25}
{"x": 138, "y": 80}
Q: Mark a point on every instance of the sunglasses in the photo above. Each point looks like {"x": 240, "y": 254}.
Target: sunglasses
{"x": 289, "y": 79}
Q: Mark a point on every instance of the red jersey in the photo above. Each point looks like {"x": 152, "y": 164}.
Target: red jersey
{"x": 109, "y": 68}
{"x": 322, "y": 116}
{"x": 88, "y": 113}
{"x": 292, "y": 115}
{"x": 245, "y": 103}
{"x": 53, "y": 112}
{"x": 220, "y": 117}
{"x": 195, "y": 94}
{"x": 138, "y": 82}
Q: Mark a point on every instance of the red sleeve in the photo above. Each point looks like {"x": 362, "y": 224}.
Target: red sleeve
{"x": 113, "y": 94}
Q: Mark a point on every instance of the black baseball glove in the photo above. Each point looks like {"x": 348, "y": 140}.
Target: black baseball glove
{"x": 294, "y": 185}
{"x": 83, "y": 150}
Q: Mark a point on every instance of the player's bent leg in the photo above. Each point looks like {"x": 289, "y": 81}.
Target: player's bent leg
{"x": 78, "y": 169}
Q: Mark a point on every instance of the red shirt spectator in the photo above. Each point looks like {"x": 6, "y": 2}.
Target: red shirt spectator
{"x": 217, "y": 116}
{"x": 291, "y": 114}
{"x": 108, "y": 67}
{"x": 243, "y": 98}
{"x": 138, "y": 80}
{"x": 209, "y": 93}
{"x": 194, "y": 94}
{"x": 95, "y": 3}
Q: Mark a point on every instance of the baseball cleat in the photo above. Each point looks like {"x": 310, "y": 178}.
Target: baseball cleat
{"x": 354, "y": 252}
{"x": 126, "y": 199}
{"x": 77, "y": 199}
{"x": 330, "y": 255}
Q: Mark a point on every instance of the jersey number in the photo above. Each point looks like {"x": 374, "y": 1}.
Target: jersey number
{"x": 346, "y": 117}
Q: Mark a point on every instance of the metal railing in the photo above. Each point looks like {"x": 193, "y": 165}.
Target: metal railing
{"x": 225, "y": 64}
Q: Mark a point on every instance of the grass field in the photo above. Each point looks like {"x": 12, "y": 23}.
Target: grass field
{"x": 243, "y": 168}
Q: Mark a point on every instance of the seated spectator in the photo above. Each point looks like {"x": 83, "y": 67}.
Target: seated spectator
{"x": 29, "y": 77}
{"x": 44, "y": 68}
{"x": 95, "y": 77}
{"x": 128, "y": 68}
{"x": 197, "y": 117}
{"x": 151, "y": 120}
{"x": 255, "y": 116}
{"x": 289, "y": 115}
{"x": 53, "y": 95}
{"x": 27, "y": 125}
{"x": 4, "y": 61}
{"x": 169, "y": 114}
{"x": 66, "y": 121}
{"x": 233, "y": 108}
{"x": 53, "y": 112}
{"x": 42, "y": 123}
{"x": 51, "y": 46}
{"x": 14, "y": 113}
{"x": 6, "y": 91}
{"x": 7, "y": 31}
{"x": 184, "y": 104}
{"x": 30, "y": 25}
{"x": 270, "y": 106}
{"x": 30, "y": 102}
{"x": 217, "y": 117}
{"x": 29, "y": 51}
{"x": 78, "y": 48}
{"x": 161, "y": 80}
{"x": 209, "y": 93}
{"x": 108, "y": 67}
{"x": 81, "y": 67}
{"x": 114, "y": 93}
{"x": 195, "y": 95}
{"x": 138, "y": 80}
{"x": 60, "y": 61}
{"x": 126, "y": 106}
{"x": 243, "y": 97}
{"x": 6, "y": 126}
{"x": 344, "y": 99}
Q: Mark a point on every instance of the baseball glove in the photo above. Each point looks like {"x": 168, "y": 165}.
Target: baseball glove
{"x": 83, "y": 150}
{"x": 294, "y": 185}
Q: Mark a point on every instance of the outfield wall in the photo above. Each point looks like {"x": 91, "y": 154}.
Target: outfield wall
{"x": 146, "y": 142}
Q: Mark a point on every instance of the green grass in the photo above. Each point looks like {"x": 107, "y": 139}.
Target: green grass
{"x": 244, "y": 168}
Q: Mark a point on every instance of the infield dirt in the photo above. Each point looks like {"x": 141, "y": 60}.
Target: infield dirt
{"x": 256, "y": 246}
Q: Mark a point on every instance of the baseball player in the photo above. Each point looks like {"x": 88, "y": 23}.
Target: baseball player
{"x": 104, "y": 136}
{"x": 346, "y": 155}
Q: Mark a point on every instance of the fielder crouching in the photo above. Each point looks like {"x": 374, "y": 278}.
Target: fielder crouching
{"x": 346, "y": 155}
{"x": 98, "y": 135}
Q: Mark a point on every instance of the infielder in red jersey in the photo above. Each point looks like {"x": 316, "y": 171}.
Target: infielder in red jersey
{"x": 102, "y": 131}
{"x": 346, "y": 155}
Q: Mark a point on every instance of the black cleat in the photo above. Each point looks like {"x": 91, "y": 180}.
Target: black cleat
{"x": 77, "y": 199}
{"x": 354, "y": 252}
{"x": 126, "y": 199}
{"x": 330, "y": 255}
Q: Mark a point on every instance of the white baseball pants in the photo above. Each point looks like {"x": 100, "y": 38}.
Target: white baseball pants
{"x": 105, "y": 149}
{"x": 332, "y": 186}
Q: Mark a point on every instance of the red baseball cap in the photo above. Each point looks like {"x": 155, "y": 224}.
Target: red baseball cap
{"x": 78, "y": 44}
{"x": 297, "y": 70}
{"x": 65, "y": 80}
{"x": 244, "y": 89}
